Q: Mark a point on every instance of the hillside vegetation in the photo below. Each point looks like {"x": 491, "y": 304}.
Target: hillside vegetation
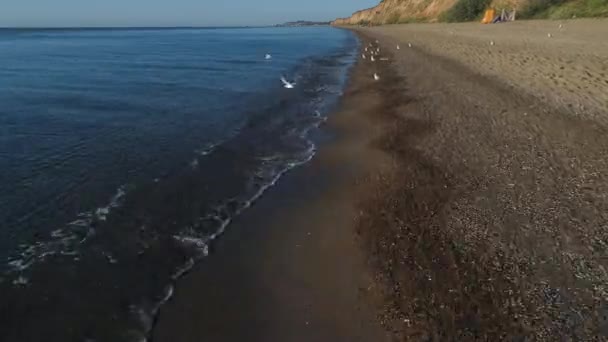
{"x": 408, "y": 11}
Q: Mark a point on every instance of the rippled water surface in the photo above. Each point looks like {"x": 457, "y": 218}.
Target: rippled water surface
{"x": 124, "y": 152}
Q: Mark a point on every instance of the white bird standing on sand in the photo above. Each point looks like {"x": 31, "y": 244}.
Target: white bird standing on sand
{"x": 376, "y": 77}
{"x": 372, "y": 58}
{"x": 409, "y": 44}
{"x": 549, "y": 35}
{"x": 398, "y": 47}
{"x": 288, "y": 85}
{"x": 363, "y": 56}
{"x": 492, "y": 42}
{"x": 268, "y": 56}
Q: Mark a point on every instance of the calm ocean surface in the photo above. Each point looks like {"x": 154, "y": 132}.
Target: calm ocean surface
{"x": 123, "y": 153}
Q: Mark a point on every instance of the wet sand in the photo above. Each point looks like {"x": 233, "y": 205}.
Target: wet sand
{"x": 458, "y": 201}
{"x": 291, "y": 268}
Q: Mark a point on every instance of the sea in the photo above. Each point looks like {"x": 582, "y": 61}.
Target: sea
{"x": 124, "y": 153}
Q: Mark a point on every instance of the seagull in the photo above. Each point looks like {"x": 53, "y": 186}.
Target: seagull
{"x": 378, "y": 50}
{"x": 560, "y": 26}
{"x": 409, "y": 44}
{"x": 268, "y": 56}
{"x": 366, "y": 49}
{"x": 372, "y": 59}
{"x": 376, "y": 77}
{"x": 286, "y": 84}
{"x": 492, "y": 42}
{"x": 549, "y": 35}
{"x": 363, "y": 56}
{"x": 398, "y": 47}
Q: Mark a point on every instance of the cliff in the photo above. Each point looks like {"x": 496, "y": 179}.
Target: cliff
{"x": 398, "y": 11}
{"x": 407, "y": 11}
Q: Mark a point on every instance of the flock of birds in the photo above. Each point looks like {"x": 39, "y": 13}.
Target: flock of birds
{"x": 373, "y": 50}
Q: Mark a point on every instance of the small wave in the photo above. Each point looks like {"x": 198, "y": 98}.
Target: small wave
{"x": 194, "y": 164}
{"x": 21, "y": 281}
{"x": 204, "y": 151}
{"x": 207, "y": 149}
{"x": 145, "y": 314}
{"x": 65, "y": 241}
{"x": 183, "y": 269}
{"x": 192, "y": 242}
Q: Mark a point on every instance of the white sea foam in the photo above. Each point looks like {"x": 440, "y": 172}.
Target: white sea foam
{"x": 194, "y": 164}
{"x": 110, "y": 257}
{"x": 145, "y": 314}
{"x": 21, "y": 281}
{"x": 208, "y": 149}
{"x": 168, "y": 294}
{"x": 203, "y": 242}
{"x": 144, "y": 318}
{"x": 183, "y": 269}
{"x": 193, "y": 242}
{"x": 66, "y": 240}
{"x": 103, "y": 212}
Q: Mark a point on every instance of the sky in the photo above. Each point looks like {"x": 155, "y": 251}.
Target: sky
{"x": 90, "y": 13}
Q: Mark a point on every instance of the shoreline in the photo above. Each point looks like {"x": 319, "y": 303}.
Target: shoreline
{"x": 291, "y": 267}
{"x": 458, "y": 202}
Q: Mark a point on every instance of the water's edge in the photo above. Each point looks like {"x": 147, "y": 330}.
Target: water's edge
{"x": 127, "y": 240}
{"x": 174, "y": 286}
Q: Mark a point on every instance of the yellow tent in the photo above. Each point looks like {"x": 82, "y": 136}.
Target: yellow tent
{"x": 488, "y": 17}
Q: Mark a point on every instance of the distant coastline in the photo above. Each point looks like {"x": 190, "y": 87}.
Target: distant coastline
{"x": 300, "y": 23}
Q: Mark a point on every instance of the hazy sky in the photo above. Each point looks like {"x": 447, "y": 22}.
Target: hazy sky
{"x": 37, "y": 13}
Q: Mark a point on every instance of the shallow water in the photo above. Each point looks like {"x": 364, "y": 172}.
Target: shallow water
{"x": 124, "y": 152}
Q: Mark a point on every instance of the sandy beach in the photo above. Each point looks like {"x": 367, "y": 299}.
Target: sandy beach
{"x": 494, "y": 222}
{"x": 461, "y": 197}
{"x": 291, "y": 268}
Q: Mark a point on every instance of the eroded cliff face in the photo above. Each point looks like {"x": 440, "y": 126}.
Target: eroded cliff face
{"x": 398, "y": 11}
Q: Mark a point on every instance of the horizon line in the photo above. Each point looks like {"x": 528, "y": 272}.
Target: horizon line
{"x": 128, "y": 27}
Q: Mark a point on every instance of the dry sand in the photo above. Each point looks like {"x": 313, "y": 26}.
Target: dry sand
{"x": 493, "y": 224}
{"x": 568, "y": 69}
